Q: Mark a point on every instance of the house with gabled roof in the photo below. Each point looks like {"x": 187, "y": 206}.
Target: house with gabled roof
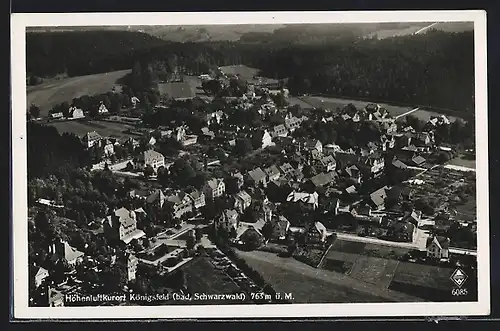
{"x": 214, "y": 188}
{"x": 316, "y": 233}
{"x": 402, "y": 231}
{"x": 438, "y": 247}
{"x": 179, "y": 204}
{"x": 91, "y": 138}
{"x": 150, "y": 158}
{"x": 62, "y": 250}
{"x": 326, "y": 163}
{"x": 156, "y": 199}
{"x": 280, "y": 131}
{"x": 242, "y": 200}
{"x": 39, "y": 274}
{"x": 75, "y": 113}
{"x": 197, "y": 198}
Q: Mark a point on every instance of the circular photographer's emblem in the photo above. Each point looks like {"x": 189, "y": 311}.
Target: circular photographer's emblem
{"x": 458, "y": 277}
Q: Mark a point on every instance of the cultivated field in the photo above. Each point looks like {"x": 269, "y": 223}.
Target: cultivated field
{"x": 105, "y": 129}
{"x": 374, "y": 270}
{"x": 49, "y": 94}
{"x": 311, "y": 285}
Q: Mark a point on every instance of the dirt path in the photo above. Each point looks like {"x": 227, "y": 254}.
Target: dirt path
{"x": 272, "y": 265}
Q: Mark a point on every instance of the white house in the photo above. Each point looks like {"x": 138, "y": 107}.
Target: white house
{"x": 214, "y": 188}
{"x": 76, "y": 112}
{"x": 151, "y": 158}
{"x": 438, "y": 247}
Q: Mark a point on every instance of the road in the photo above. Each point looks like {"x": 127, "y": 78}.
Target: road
{"x": 407, "y": 113}
{"x": 426, "y": 28}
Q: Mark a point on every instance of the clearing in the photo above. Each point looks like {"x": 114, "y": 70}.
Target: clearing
{"x": 311, "y": 285}
{"x": 49, "y": 94}
{"x": 423, "y": 28}
{"x": 105, "y": 129}
{"x": 177, "y": 90}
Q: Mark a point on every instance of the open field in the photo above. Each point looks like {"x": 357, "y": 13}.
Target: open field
{"x": 374, "y": 270}
{"x": 80, "y": 128}
{"x": 311, "y": 285}
{"x": 49, "y": 94}
{"x": 245, "y": 72}
{"x": 361, "y": 248}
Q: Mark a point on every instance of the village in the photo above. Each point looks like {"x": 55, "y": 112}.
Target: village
{"x": 262, "y": 174}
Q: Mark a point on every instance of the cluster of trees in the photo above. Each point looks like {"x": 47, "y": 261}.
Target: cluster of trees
{"x": 435, "y": 69}
{"x": 85, "y": 196}
{"x": 183, "y": 173}
{"x": 50, "y": 152}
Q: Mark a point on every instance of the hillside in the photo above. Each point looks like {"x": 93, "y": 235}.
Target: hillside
{"x": 78, "y": 53}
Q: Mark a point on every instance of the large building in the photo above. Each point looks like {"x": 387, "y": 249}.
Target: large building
{"x": 122, "y": 225}
{"x": 150, "y": 158}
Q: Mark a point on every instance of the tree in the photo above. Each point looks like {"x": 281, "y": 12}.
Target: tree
{"x": 148, "y": 171}
{"x": 267, "y": 230}
{"x": 190, "y": 242}
{"x": 198, "y": 234}
{"x": 243, "y": 146}
{"x": 34, "y": 111}
{"x": 251, "y": 239}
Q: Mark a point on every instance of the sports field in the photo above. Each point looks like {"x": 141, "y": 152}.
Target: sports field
{"x": 47, "y": 95}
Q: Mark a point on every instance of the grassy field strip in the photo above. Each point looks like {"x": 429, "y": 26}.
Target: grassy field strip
{"x": 316, "y": 285}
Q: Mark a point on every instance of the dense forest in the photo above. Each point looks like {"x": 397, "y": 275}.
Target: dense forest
{"x": 50, "y": 152}
{"x": 435, "y": 68}
{"x": 87, "y": 52}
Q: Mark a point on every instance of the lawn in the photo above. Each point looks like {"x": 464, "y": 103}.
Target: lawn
{"x": 177, "y": 90}
{"x": 203, "y": 277}
{"x": 105, "y": 129}
{"x": 49, "y": 94}
{"x": 297, "y": 101}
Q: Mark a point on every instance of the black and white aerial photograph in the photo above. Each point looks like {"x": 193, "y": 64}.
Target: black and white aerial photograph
{"x": 251, "y": 164}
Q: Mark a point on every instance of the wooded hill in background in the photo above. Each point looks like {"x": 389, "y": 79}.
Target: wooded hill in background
{"x": 434, "y": 68}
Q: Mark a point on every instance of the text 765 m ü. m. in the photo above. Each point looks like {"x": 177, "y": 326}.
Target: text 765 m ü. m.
{"x": 268, "y": 297}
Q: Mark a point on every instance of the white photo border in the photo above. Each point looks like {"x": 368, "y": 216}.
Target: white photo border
{"x": 19, "y": 23}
